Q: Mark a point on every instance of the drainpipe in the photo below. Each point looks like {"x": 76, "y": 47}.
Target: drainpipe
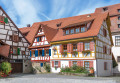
{"x": 96, "y": 73}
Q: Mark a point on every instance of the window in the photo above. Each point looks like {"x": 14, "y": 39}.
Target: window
{"x": 77, "y": 30}
{"x": 65, "y": 47}
{"x": 33, "y": 53}
{"x": 38, "y": 39}
{"x": 74, "y": 62}
{"x": 82, "y": 29}
{"x": 105, "y": 65}
{"x": 14, "y": 38}
{"x": 118, "y": 58}
{"x": 118, "y": 17}
{"x": 23, "y": 52}
{"x": 72, "y": 31}
{"x": 20, "y": 39}
{"x": 40, "y": 52}
{"x": 104, "y": 49}
{"x": 119, "y": 10}
{"x": 55, "y": 51}
{"x": 117, "y": 40}
{"x": 67, "y": 32}
{"x": 118, "y": 25}
{"x": 86, "y": 65}
{"x": 87, "y": 46}
{"x": 40, "y": 29}
{"x": 105, "y": 9}
{"x": 56, "y": 63}
{"x": 47, "y": 52}
{"x": 104, "y": 32}
{"x": 74, "y": 47}
{"x": 15, "y": 50}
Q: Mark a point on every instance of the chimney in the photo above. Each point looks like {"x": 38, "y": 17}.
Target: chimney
{"x": 28, "y": 25}
{"x": 89, "y": 15}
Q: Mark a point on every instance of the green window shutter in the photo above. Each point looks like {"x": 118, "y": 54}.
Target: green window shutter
{"x": 6, "y": 20}
{"x": 18, "y": 51}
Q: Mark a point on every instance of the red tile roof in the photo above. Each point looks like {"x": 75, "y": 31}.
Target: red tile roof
{"x": 54, "y": 33}
{"x": 113, "y": 12}
{"x": 112, "y": 9}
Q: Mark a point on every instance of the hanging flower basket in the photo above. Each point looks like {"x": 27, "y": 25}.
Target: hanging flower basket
{"x": 87, "y": 51}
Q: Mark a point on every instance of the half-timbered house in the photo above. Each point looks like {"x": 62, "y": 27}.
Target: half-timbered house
{"x": 114, "y": 13}
{"x": 83, "y": 40}
{"x": 16, "y": 44}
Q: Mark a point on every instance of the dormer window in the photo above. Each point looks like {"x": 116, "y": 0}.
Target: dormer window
{"x": 72, "y": 31}
{"x": 119, "y": 10}
{"x": 67, "y": 32}
{"x": 77, "y": 30}
{"x": 105, "y": 9}
{"x": 118, "y": 17}
{"x": 82, "y": 29}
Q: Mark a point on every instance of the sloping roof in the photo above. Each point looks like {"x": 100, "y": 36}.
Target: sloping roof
{"x": 4, "y": 50}
{"x": 113, "y": 12}
{"x": 25, "y": 29}
{"x": 13, "y": 23}
{"x": 54, "y": 33}
{"x": 112, "y": 9}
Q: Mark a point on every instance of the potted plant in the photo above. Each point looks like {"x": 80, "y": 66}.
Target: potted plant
{"x": 75, "y": 52}
{"x": 64, "y": 54}
{"x": 92, "y": 70}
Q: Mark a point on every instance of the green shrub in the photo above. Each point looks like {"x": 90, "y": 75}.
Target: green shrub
{"x": 47, "y": 67}
{"x": 5, "y": 67}
{"x": 74, "y": 67}
{"x": 66, "y": 69}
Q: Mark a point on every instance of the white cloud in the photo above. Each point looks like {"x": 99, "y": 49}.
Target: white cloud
{"x": 23, "y": 12}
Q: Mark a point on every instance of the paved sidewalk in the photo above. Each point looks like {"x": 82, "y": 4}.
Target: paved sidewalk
{"x": 55, "y": 78}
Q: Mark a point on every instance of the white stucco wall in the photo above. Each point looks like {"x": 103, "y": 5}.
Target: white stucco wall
{"x": 116, "y": 52}
{"x": 100, "y": 67}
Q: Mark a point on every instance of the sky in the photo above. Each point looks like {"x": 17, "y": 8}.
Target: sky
{"x": 24, "y": 12}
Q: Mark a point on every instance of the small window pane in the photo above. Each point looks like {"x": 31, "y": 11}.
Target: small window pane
{"x": 119, "y": 10}
{"x": 118, "y": 25}
{"x": 119, "y": 18}
{"x": 117, "y": 40}
{"x": 118, "y": 59}
{"x": 82, "y": 29}
{"x": 72, "y": 31}
{"x": 67, "y": 32}
{"x": 77, "y": 30}
{"x": 87, "y": 46}
{"x": 56, "y": 63}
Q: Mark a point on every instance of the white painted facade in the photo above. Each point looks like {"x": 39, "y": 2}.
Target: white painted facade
{"x": 116, "y": 53}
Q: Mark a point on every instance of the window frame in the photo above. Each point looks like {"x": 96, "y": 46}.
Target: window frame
{"x": 74, "y": 46}
{"x": 87, "y": 46}
{"x": 87, "y": 65}
{"x": 68, "y": 32}
{"x": 118, "y": 17}
{"x": 64, "y": 50}
{"x": 105, "y": 9}
{"x": 117, "y": 43}
{"x": 39, "y": 52}
{"x": 55, "y": 64}
{"x": 46, "y": 52}
{"x": 119, "y": 10}
{"x": 72, "y": 29}
{"x": 118, "y": 58}
{"x": 74, "y": 62}
{"x": 118, "y": 25}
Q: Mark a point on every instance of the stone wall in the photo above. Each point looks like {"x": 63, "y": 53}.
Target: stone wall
{"x": 27, "y": 66}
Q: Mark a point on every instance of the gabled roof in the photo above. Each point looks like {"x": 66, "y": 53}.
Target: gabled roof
{"x": 13, "y": 23}
{"x": 54, "y": 33}
{"x": 112, "y": 9}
